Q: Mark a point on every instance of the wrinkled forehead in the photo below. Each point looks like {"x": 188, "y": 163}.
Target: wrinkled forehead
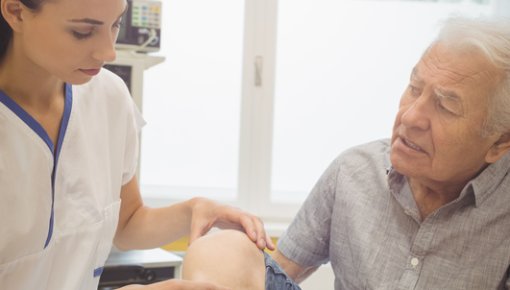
{"x": 466, "y": 75}
{"x": 459, "y": 64}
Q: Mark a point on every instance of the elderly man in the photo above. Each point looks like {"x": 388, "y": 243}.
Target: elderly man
{"x": 427, "y": 209}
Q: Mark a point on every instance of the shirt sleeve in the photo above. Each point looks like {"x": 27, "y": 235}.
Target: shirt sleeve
{"x": 306, "y": 241}
{"x": 134, "y": 124}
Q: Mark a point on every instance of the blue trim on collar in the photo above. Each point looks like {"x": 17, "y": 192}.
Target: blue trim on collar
{"x": 39, "y": 130}
{"x": 68, "y": 103}
{"x": 25, "y": 117}
{"x": 98, "y": 271}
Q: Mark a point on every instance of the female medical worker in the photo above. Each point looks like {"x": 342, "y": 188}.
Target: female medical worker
{"x": 68, "y": 146}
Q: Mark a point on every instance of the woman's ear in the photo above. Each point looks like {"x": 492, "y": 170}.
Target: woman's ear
{"x": 498, "y": 149}
{"x": 12, "y": 11}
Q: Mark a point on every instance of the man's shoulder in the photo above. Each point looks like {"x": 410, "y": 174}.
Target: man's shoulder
{"x": 363, "y": 160}
{"x": 373, "y": 147}
{"x": 374, "y": 151}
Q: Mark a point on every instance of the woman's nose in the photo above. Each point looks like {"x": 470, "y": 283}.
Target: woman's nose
{"x": 105, "y": 50}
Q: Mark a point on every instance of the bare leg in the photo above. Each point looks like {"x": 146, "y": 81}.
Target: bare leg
{"x": 226, "y": 258}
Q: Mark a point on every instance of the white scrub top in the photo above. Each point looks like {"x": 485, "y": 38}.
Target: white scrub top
{"x": 59, "y": 203}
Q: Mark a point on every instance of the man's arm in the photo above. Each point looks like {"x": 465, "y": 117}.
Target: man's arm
{"x": 295, "y": 271}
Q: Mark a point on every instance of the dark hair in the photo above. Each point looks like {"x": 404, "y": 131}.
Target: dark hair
{"x": 5, "y": 29}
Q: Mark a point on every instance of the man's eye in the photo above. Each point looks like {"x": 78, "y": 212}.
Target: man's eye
{"x": 414, "y": 91}
{"x": 81, "y": 35}
{"x": 444, "y": 108}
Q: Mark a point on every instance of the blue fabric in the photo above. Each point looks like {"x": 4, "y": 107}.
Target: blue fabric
{"x": 68, "y": 102}
{"x": 39, "y": 130}
{"x": 276, "y": 278}
{"x": 98, "y": 271}
{"x": 25, "y": 117}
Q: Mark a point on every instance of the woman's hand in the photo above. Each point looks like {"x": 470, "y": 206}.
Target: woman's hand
{"x": 206, "y": 214}
{"x": 175, "y": 285}
{"x": 142, "y": 227}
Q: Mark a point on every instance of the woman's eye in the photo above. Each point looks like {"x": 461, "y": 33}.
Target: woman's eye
{"x": 118, "y": 24}
{"x": 81, "y": 35}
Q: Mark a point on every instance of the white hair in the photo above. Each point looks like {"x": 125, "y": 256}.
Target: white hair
{"x": 492, "y": 38}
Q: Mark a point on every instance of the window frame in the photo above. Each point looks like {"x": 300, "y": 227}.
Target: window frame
{"x": 257, "y": 107}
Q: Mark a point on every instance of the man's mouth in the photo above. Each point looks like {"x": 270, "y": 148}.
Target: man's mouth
{"x": 412, "y": 145}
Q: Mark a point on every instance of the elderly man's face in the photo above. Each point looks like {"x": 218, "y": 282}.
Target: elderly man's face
{"x": 437, "y": 132}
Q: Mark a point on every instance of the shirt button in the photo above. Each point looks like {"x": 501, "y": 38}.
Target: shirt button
{"x": 414, "y": 262}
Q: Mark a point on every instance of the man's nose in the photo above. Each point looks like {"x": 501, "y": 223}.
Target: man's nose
{"x": 417, "y": 114}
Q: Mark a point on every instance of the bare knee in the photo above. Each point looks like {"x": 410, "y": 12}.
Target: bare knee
{"x": 228, "y": 258}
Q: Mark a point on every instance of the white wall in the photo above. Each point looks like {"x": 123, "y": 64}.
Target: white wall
{"x": 502, "y": 8}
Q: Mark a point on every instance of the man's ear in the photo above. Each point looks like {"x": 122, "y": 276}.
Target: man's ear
{"x": 12, "y": 11}
{"x": 498, "y": 149}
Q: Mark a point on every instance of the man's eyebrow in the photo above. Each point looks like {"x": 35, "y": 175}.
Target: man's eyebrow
{"x": 94, "y": 21}
{"x": 445, "y": 94}
{"x": 414, "y": 72}
{"x": 415, "y": 75}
